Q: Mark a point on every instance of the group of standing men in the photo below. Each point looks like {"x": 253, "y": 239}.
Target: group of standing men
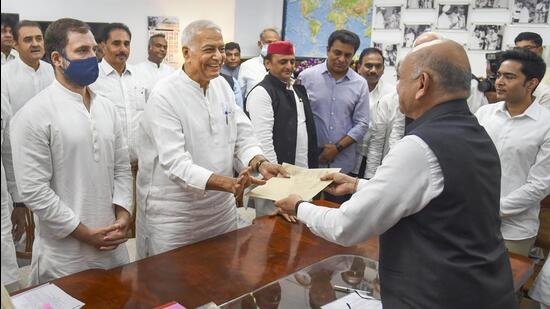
{"x": 76, "y": 140}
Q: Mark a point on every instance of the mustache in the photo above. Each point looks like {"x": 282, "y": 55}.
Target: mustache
{"x": 122, "y": 54}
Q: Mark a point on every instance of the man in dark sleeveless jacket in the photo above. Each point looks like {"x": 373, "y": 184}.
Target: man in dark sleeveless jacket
{"x": 434, "y": 200}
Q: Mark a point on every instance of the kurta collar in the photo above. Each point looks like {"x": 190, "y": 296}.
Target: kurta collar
{"x": 187, "y": 80}
{"x": 73, "y": 95}
{"x": 26, "y": 67}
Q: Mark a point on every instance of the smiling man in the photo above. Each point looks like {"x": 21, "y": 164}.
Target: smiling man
{"x": 71, "y": 163}
{"x": 6, "y": 40}
{"x": 154, "y": 69}
{"x": 281, "y": 114}
{"x": 192, "y": 139}
{"x": 520, "y": 128}
{"x": 26, "y": 76}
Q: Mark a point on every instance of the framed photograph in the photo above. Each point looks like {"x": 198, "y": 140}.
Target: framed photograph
{"x": 452, "y": 16}
{"x": 389, "y": 50}
{"x": 491, "y": 4}
{"x": 530, "y": 11}
{"x": 486, "y": 37}
{"x": 420, "y": 4}
{"x": 387, "y": 17}
{"x": 412, "y": 32}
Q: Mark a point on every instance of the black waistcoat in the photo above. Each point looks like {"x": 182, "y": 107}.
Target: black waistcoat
{"x": 285, "y": 126}
{"x": 451, "y": 253}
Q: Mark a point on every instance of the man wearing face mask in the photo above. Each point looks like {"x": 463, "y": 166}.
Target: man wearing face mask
{"x": 71, "y": 163}
{"x": 120, "y": 83}
{"x": 371, "y": 67}
{"x": 26, "y": 76}
{"x": 253, "y": 70}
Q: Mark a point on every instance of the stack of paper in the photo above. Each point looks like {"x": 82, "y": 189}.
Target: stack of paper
{"x": 46, "y": 296}
{"x": 304, "y": 182}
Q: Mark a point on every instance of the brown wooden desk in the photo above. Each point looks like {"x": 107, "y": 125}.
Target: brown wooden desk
{"x": 221, "y": 268}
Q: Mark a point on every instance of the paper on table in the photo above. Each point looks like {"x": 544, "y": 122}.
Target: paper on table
{"x": 353, "y": 301}
{"x": 46, "y": 296}
{"x": 304, "y": 182}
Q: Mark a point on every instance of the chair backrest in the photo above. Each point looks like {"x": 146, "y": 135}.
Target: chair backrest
{"x": 29, "y": 236}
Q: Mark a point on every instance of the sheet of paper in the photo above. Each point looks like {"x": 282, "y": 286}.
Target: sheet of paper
{"x": 304, "y": 182}
{"x": 46, "y": 296}
{"x": 353, "y": 300}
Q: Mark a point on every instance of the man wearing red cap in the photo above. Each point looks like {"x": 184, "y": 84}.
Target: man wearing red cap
{"x": 281, "y": 113}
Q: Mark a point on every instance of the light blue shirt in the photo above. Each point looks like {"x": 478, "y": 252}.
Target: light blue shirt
{"x": 238, "y": 93}
{"x": 340, "y": 107}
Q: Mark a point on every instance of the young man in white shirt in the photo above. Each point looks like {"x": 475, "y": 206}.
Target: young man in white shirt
{"x": 371, "y": 67}
{"x": 192, "y": 139}
{"x": 520, "y": 129}
{"x": 71, "y": 163}
{"x": 533, "y": 42}
{"x": 154, "y": 69}
{"x": 26, "y": 76}
{"x": 8, "y": 53}
{"x": 253, "y": 70}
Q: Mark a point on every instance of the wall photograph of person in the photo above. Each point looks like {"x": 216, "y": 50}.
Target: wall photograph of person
{"x": 420, "y": 4}
{"x": 530, "y": 11}
{"x": 486, "y": 37}
{"x": 387, "y": 17}
{"x": 389, "y": 50}
{"x": 452, "y": 16}
{"x": 491, "y": 4}
{"x": 411, "y": 32}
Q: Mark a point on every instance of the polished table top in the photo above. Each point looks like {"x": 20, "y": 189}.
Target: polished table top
{"x": 221, "y": 268}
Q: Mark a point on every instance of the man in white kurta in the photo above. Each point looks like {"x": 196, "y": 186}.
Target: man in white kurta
{"x": 10, "y": 274}
{"x": 253, "y": 70}
{"x": 192, "y": 139}
{"x": 71, "y": 167}
{"x": 154, "y": 69}
{"x": 27, "y": 75}
{"x": 8, "y": 53}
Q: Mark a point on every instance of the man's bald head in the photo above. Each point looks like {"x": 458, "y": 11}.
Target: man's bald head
{"x": 427, "y": 37}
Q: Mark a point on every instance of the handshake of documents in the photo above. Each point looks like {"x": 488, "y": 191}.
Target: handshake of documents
{"x": 302, "y": 181}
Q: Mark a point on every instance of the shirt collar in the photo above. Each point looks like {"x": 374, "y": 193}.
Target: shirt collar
{"x": 108, "y": 69}
{"x": 533, "y": 111}
{"x": 347, "y": 76}
{"x": 154, "y": 65}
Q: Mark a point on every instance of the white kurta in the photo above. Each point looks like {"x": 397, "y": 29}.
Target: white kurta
{"x": 541, "y": 288}
{"x": 542, "y": 93}
{"x": 185, "y": 136}
{"x": 21, "y": 82}
{"x": 251, "y": 73}
{"x": 9, "y": 261}
{"x": 71, "y": 166}
{"x": 523, "y": 145}
{"x": 128, "y": 94}
{"x": 477, "y": 98}
{"x": 150, "y": 73}
{"x": 11, "y": 56}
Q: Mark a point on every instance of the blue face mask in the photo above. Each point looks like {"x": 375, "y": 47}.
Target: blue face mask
{"x": 82, "y": 72}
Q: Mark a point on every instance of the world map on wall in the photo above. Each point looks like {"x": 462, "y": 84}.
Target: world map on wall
{"x": 309, "y": 23}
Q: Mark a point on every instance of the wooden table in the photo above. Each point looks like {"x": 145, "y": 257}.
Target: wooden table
{"x": 221, "y": 268}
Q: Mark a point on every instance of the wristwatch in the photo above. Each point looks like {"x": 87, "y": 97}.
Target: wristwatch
{"x": 339, "y": 147}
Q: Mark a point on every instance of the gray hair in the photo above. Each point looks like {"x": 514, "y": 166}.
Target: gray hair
{"x": 188, "y": 34}
{"x": 268, "y": 30}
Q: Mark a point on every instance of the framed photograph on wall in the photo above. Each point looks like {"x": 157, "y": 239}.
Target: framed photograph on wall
{"x": 387, "y": 17}
{"x": 411, "y": 32}
{"x": 389, "y": 50}
{"x": 452, "y": 16}
{"x": 486, "y": 37}
{"x": 420, "y": 4}
{"x": 491, "y": 4}
{"x": 530, "y": 11}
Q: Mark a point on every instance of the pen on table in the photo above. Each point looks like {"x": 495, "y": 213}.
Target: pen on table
{"x": 349, "y": 290}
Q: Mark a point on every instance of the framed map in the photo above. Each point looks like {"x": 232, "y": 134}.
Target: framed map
{"x": 309, "y": 23}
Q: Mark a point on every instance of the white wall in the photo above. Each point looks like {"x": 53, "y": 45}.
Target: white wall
{"x": 131, "y": 12}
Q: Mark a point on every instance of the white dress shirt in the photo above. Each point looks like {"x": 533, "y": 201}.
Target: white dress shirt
{"x": 398, "y": 189}
{"x": 523, "y": 145}
{"x": 477, "y": 98}
{"x": 71, "y": 165}
{"x": 150, "y": 73}
{"x": 543, "y": 94}
{"x": 387, "y": 127}
{"x": 21, "y": 82}
{"x": 260, "y": 110}
{"x": 378, "y": 92}
{"x": 185, "y": 137}
{"x": 10, "y": 273}
{"x": 128, "y": 93}
{"x": 251, "y": 73}
{"x": 11, "y": 56}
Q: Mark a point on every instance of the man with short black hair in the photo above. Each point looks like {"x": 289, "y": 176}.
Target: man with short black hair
{"x": 520, "y": 129}
{"x": 253, "y": 70}
{"x": 371, "y": 67}
{"x": 8, "y": 53}
{"x": 26, "y": 76}
{"x": 71, "y": 163}
{"x": 154, "y": 69}
{"x": 434, "y": 200}
{"x": 533, "y": 42}
{"x": 232, "y": 59}
{"x": 340, "y": 102}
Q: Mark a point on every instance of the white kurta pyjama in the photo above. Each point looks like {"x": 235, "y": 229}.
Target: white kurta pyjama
{"x": 71, "y": 166}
